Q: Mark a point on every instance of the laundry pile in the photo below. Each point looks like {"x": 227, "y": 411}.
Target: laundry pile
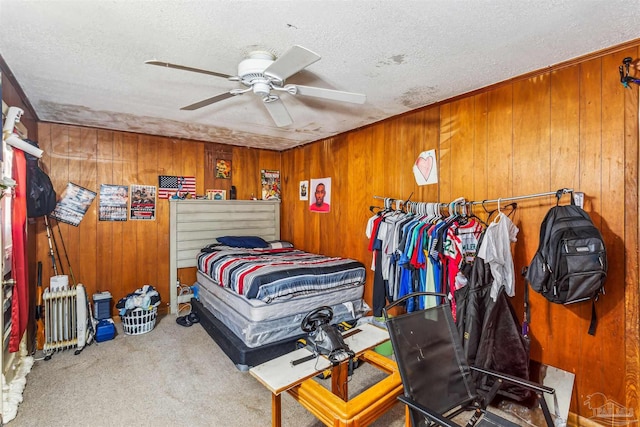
{"x": 146, "y": 298}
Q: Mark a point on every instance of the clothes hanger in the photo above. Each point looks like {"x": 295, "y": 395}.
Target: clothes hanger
{"x": 473, "y": 215}
{"x": 490, "y": 212}
{"x": 512, "y": 205}
{"x": 453, "y": 208}
{"x": 499, "y": 216}
{"x": 373, "y": 209}
{"x": 461, "y": 211}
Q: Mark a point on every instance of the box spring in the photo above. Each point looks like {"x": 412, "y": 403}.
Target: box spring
{"x": 242, "y": 356}
{"x": 257, "y": 323}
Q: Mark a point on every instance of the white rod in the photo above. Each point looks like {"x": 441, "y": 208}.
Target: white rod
{"x": 13, "y": 117}
{"x": 14, "y": 141}
{"x": 12, "y": 138}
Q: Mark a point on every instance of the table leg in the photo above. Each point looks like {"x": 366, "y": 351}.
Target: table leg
{"x": 407, "y": 416}
{"x": 339, "y": 380}
{"x": 276, "y": 410}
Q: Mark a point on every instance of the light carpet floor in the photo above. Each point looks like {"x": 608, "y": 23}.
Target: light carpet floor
{"x": 171, "y": 376}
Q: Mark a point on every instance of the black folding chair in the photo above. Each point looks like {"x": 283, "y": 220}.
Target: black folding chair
{"x": 437, "y": 379}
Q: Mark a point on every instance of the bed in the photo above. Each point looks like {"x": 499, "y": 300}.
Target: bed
{"x": 251, "y": 300}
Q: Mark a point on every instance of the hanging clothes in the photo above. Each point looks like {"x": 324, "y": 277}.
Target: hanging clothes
{"x": 460, "y": 245}
{"x": 496, "y": 251}
{"x": 471, "y": 304}
{"x": 375, "y": 245}
{"x": 502, "y": 347}
{"x": 20, "y": 298}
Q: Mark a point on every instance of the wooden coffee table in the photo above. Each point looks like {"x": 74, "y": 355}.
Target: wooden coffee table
{"x": 333, "y": 407}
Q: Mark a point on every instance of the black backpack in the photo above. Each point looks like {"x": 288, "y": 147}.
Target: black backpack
{"x": 570, "y": 264}
{"x": 41, "y": 197}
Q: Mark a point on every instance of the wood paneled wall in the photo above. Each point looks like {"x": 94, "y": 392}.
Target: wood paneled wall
{"x": 571, "y": 126}
{"x": 574, "y": 126}
{"x": 122, "y": 256}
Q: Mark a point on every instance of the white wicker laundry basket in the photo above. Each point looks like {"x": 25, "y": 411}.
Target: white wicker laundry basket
{"x": 139, "y": 321}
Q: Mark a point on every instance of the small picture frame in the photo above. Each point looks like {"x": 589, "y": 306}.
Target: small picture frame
{"x": 217, "y": 194}
{"x": 304, "y": 190}
{"x": 223, "y": 169}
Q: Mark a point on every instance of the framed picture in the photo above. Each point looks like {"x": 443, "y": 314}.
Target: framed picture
{"x": 223, "y": 168}
{"x": 320, "y": 199}
{"x": 270, "y": 180}
{"x": 304, "y": 190}
{"x": 217, "y": 194}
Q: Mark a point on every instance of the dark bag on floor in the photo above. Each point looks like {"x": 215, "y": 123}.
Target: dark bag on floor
{"x": 41, "y": 197}
{"x": 570, "y": 264}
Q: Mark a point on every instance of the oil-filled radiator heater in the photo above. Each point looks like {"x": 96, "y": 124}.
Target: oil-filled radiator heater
{"x": 65, "y": 319}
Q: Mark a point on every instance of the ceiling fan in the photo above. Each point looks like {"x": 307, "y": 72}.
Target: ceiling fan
{"x": 263, "y": 74}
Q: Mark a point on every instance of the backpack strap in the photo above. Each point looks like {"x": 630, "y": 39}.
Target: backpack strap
{"x": 527, "y": 311}
{"x": 562, "y": 191}
{"x": 594, "y": 318}
{"x": 559, "y": 194}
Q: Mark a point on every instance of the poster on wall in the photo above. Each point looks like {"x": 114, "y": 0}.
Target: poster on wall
{"x": 169, "y": 186}
{"x": 425, "y": 169}
{"x": 113, "y": 202}
{"x": 143, "y": 202}
{"x": 270, "y": 180}
{"x": 304, "y": 190}
{"x": 320, "y": 200}
{"x": 73, "y": 205}
{"x": 223, "y": 168}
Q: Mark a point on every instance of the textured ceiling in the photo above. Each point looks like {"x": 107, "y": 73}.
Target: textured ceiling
{"x": 82, "y": 62}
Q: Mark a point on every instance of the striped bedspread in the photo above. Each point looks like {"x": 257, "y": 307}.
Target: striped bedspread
{"x": 267, "y": 274}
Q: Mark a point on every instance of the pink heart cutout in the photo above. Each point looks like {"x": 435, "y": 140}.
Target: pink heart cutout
{"x": 425, "y": 166}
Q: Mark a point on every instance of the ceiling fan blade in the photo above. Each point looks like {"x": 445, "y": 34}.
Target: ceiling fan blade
{"x": 184, "y": 68}
{"x": 208, "y": 101}
{"x": 292, "y": 61}
{"x": 278, "y": 112}
{"x": 335, "y": 95}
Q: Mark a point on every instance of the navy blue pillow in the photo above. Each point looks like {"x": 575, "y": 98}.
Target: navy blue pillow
{"x": 243, "y": 241}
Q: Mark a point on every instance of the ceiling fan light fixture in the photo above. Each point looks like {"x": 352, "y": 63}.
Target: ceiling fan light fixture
{"x": 255, "y": 64}
{"x": 262, "y": 88}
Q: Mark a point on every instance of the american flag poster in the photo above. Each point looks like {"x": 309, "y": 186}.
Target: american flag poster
{"x": 169, "y": 185}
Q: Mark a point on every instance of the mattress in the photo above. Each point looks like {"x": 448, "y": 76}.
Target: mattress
{"x": 270, "y": 274}
{"x": 257, "y": 323}
{"x": 255, "y": 310}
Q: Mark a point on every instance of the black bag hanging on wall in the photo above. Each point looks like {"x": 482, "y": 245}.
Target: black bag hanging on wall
{"x": 41, "y": 197}
{"x": 570, "y": 264}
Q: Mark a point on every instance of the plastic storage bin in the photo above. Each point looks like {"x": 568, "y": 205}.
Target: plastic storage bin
{"x": 105, "y": 330}
{"x": 102, "y": 305}
{"x": 139, "y": 321}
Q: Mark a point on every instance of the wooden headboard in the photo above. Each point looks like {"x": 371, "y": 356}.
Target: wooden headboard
{"x": 196, "y": 223}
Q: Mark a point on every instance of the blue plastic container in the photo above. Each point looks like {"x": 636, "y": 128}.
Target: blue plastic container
{"x": 105, "y": 330}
